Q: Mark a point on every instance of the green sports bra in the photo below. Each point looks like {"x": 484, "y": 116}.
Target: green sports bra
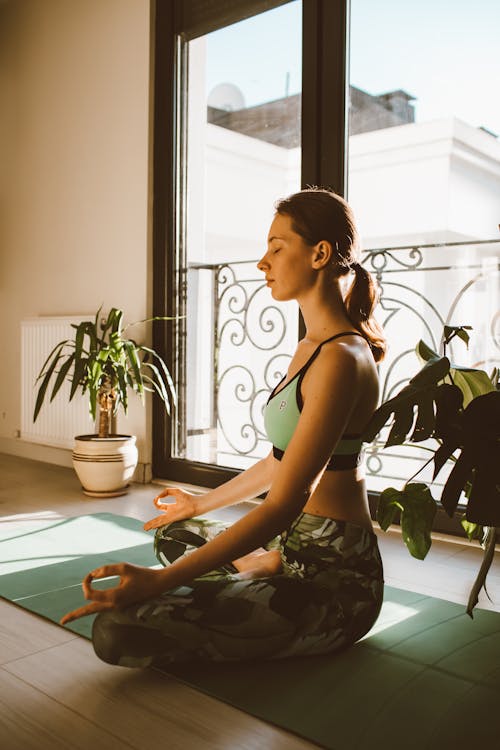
{"x": 282, "y": 413}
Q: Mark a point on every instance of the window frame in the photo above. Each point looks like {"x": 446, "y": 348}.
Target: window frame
{"x": 324, "y": 157}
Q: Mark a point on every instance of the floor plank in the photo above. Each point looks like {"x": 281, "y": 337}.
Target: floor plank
{"x": 30, "y": 720}
{"x": 23, "y": 633}
{"x": 143, "y": 707}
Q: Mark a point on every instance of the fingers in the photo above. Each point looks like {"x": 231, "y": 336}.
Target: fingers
{"x": 105, "y": 571}
{"x": 172, "y": 492}
{"x": 102, "y": 595}
{"x": 88, "y": 609}
{"x": 156, "y": 523}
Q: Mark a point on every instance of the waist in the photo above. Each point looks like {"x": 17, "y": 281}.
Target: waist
{"x": 341, "y": 495}
{"x": 348, "y": 453}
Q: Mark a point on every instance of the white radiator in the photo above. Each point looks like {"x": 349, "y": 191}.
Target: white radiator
{"x": 58, "y": 422}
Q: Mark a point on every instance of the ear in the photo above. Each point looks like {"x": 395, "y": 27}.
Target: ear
{"x": 322, "y": 254}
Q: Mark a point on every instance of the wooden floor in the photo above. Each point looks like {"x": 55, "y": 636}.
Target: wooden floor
{"x": 55, "y": 694}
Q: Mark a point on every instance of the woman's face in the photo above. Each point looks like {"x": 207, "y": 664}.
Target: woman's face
{"x": 287, "y": 263}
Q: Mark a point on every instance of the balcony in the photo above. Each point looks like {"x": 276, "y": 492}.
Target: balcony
{"x": 240, "y": 341}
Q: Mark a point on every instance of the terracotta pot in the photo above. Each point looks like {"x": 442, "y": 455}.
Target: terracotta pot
{"x": 105, "y": 466}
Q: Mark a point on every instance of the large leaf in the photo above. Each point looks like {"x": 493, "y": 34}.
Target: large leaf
{"x": 58, "y": 348}
{"x": 61, "y": 377}
{"x": 165, "y": 372}
{"x": 478, "y": 435}
{"x": 471, "y": 382}
{"x": 135, "y": 365}
{"x": 418, "y": 509}
{"x": 45, "y": 382}
{"x": 419, "y": 394}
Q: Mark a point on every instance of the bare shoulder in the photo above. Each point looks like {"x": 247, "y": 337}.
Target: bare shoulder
{"x": 346, "y": 366}
{"x": 349, "y": 354}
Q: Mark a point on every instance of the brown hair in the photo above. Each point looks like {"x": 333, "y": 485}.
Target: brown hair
{"x": 318, "y": 214}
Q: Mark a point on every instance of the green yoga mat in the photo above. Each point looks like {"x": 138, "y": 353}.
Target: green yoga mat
{"x": 426, "y": 677}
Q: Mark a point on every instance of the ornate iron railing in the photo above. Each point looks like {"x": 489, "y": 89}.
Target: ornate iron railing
{"x": 422, "y": 289}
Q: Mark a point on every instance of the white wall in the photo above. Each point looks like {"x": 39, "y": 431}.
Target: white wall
{"x": 74, "y": 85}
{"x": 422, "y": 183}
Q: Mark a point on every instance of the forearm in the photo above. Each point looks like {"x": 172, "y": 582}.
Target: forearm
{"x": 245, "y": 486}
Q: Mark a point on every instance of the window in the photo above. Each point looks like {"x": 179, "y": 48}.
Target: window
{"x": 424, "y": 180}
{"x": 257, "y": 93}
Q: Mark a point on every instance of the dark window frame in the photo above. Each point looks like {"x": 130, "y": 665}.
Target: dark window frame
{"x": 324, "y": 82}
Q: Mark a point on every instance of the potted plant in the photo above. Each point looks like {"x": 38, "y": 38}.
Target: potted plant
{"x": 104, "y": 364}
{"x": 459, "y": 408}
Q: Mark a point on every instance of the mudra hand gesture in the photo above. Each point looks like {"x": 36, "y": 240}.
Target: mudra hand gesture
{"x": 136, "y": 584}
{"x": 184, "y": 506}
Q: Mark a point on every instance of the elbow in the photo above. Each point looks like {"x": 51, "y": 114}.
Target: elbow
{"x": 284, "y": 511}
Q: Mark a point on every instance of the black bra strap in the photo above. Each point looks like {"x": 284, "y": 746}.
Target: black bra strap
{"x": 318, "y": 349}
{"x": 309, "y": 362}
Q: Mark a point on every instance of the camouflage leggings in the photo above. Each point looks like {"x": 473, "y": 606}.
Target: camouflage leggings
{"x": 327, "y": 596}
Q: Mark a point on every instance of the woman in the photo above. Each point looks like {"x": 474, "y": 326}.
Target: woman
{"x": 229, "y": 593}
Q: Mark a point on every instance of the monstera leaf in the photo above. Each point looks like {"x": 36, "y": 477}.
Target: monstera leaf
{"x": 472, "y": 382}
{"x": 417, "y": 508}
{"x": 419, "y": 393}
{"x": 476, "y": 431}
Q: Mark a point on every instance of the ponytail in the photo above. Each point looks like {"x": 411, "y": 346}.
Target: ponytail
{"x": 360, "y": 302}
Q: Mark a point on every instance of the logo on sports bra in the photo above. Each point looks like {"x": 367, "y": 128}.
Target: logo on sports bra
{"x": 283, "y": 405}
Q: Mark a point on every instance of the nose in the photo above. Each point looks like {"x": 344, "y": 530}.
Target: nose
{"x": 263, "y": 263}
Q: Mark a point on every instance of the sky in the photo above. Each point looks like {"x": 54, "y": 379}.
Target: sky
{"x": 445, "y": 53}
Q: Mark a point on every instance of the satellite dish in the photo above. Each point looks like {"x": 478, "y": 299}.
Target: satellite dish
{"x": 226, "y": 96}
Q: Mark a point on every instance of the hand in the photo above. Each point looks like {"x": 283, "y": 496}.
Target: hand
{"x": 184, "y": 506}
{"x": 136, "y": 584}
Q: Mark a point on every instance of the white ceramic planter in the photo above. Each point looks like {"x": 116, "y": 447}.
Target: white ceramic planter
{"x": 105, "y": 466}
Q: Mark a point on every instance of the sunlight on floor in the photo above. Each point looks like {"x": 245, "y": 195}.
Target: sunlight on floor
{"x": 391, "y": 614}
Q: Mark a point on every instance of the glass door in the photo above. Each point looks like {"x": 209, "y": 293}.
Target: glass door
{"x": 241, "y": 152}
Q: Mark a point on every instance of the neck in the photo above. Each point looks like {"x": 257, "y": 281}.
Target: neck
{"x": 324, "y": 312}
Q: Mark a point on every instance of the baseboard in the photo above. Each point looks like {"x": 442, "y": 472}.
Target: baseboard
{"x": 59, "y": 456}
{"x": 36, "y": 451}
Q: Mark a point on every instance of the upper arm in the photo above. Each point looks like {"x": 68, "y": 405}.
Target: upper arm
{"x": 329, "y": 399}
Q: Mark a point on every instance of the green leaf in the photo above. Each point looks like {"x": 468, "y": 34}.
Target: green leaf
{"x": 473, "y": 530}
{"x": 418, "y": 393}
{"x": 135, "y": 365}
{"x": 80, "y": 335}
{"x": 78, "y": 376}
{"x": 43, "y": 387}
{"x": 388, "y": 506}
{"x": 59, "y": 347}
{"x": 159, "y": 385}
{"x": 432, "y": 372}
{"x": 122, "y": 387}
{"x": 62, "y": 375}
{"x": 417, "y": 517}
{"x": 165, "y": 372}
{"x": 425, "y": 353}
{"x": 462, "y": 334}
{"x": 461, "y": 331}
{"x": 93, "y": 401}
{"x": 417, "y": 507}
{"x": 471, "y": 382}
